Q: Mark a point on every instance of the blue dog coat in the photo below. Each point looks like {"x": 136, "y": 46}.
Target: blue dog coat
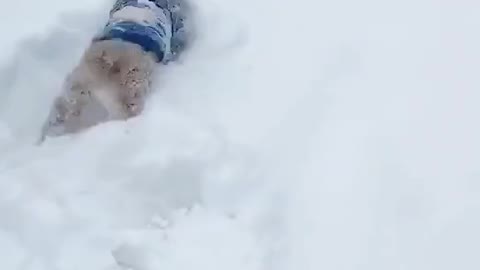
{"x": 141, "y": 22}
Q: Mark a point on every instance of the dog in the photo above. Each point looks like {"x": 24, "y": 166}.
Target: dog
{"x": 114, "y": 76}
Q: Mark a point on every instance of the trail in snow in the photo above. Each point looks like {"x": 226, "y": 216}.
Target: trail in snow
{"x": 166, "y": 190}
{"x": 306, "y": 135}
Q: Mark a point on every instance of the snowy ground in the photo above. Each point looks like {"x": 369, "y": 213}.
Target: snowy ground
{"x": 294, "y": 135}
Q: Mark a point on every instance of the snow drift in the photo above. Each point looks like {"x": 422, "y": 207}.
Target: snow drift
{"x": 306, "y": 135}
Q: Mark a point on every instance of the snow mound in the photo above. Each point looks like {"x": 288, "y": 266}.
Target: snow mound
{"x": 157, "y": 191}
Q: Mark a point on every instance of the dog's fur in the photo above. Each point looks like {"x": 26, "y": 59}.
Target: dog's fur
{"x": 114, "y": 76}
{"x": 111, "y": 82}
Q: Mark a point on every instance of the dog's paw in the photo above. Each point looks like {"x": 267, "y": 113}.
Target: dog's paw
{"x": 133, "y": 109}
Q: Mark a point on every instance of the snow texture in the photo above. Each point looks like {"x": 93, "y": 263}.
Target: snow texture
{"x": 292, "y": 135}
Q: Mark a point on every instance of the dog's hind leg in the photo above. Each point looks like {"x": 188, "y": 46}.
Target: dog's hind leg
{"x": 125, "y": 96}
{"x": 66, "y": 113}
{"x": 131, "y": 77}
{"x": 136, "y": 87}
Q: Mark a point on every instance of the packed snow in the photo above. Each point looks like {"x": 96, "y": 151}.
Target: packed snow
{"x": 292, "y": 135}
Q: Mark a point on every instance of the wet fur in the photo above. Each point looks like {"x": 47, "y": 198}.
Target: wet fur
{"x": 113, "y": 76}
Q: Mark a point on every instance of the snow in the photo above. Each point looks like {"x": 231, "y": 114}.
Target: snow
{"x": 306, "y": 135}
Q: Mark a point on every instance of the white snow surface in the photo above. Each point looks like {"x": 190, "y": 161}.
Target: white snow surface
{"x": 293, "y": 135}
